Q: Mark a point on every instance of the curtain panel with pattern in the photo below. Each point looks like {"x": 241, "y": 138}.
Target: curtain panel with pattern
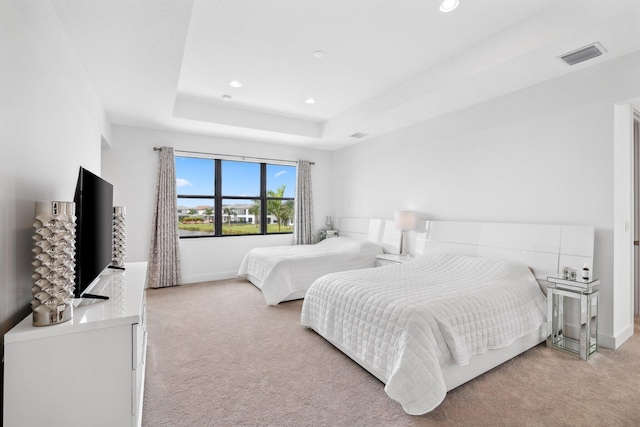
{"x": 303, "y": 224}
{"x": 164, "y": 256}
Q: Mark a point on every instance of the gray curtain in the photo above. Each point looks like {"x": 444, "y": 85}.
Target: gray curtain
{"x": 164, "y": 256}
{"x": 303, "y": 225}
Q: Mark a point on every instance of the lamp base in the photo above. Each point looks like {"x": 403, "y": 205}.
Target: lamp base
{"x": 403, "y": 249}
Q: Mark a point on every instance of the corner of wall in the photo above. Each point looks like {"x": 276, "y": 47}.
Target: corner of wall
{"x": 105, "y": 135}
{"x": 623, "y": 227}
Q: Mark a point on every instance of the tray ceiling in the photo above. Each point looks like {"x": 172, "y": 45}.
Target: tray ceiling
{"x": 385, "y": 65}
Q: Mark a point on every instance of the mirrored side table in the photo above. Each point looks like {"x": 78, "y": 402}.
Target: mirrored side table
{"x": 586, "y": 292}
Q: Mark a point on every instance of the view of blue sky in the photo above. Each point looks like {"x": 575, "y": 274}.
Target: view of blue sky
{"x": 195, "y": 176}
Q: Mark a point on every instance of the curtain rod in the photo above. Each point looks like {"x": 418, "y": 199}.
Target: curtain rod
{"x": 231, "y": 155}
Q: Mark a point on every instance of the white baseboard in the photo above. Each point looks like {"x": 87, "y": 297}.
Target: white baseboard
{"x": 209, "y": 277}
{"x": 606, "y": 341}
{"x": 613, "y": 342}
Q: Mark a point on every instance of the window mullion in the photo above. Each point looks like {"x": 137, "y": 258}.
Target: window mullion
{"x": 263, "y": 198}
{"x": 218, "y": 198}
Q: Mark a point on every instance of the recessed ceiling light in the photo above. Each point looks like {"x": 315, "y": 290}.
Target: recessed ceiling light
{"x": 448, "y": 5}
{"x": 235, "y": 83}
{"x": 318, "y": 54}
{"x": 226, "y": 97}
{"x": 310, "y": 101}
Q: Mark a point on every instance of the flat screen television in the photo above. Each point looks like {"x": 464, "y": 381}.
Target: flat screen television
{"x": 94, "y": 228}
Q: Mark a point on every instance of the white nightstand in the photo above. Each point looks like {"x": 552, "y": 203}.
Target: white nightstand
{"x": 327, "y": 234}
{"x": 392, "y": 259}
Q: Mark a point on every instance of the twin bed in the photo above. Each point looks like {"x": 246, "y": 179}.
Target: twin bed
{"x": 473, "y": 300}
{"x": 285, "y": 273}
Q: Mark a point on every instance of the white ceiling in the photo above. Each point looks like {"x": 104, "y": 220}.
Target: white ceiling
{"x": 166, "y": 64}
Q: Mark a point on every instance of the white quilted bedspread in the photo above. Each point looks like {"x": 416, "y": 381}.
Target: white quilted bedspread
{"x": 281, "y": 271}
{"x": 406, "y": 323}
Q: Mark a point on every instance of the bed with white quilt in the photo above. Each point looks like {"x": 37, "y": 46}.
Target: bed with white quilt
{"x": 429, "y": 325}
{"x": 285, "y": 273}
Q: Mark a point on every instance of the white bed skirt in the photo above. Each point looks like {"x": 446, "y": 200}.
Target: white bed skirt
{"x": 455, "y": 375}
{"x": 291, "y": 297}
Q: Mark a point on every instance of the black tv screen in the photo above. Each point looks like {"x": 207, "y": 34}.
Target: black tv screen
{"x": 94, "y": 225}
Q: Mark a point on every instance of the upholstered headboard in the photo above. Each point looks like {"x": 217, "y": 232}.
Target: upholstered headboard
{"x": 381, "y": 231}
{"x": 546, "y": 249}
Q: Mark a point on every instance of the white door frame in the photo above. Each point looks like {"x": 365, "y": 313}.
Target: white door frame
{"x": 636, "y": 206}
{"x": 623, "y": 226}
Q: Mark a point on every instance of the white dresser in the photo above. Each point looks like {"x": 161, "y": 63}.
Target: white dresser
{"x": 85, "y": 372}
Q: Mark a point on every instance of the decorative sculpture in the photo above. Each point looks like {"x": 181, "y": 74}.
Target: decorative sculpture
{"x": 119, "y": 237}
{"x": 54, "y": 265}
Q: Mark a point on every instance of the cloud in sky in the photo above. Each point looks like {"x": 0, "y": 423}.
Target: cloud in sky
{"x": 277, "y": 174}
{"x": 181, "y": 182}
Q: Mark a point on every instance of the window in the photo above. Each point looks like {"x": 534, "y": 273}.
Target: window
{"x": 195, "y": 186}
{"x": 280, "y": 198}
{"x": 225, "y": 197}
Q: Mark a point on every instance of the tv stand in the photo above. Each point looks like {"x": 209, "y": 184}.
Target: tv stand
{"x": 88, "y": 371}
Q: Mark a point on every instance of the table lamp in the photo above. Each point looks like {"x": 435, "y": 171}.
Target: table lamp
{"x": 404, "y": 221}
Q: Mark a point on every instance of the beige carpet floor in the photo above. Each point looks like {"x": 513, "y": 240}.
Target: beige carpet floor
{"x": 219, "y": 356}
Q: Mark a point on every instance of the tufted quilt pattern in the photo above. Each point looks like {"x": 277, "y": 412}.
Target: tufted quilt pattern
{"x": 406, "y": 323}
{"x": 281, "y": 271}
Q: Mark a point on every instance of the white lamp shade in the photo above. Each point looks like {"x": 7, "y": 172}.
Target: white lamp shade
{"x": 405, "y": 220}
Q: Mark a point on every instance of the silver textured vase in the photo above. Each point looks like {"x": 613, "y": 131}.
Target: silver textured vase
{"x": 119, "y": 237}
{"x": 54, "y": 265}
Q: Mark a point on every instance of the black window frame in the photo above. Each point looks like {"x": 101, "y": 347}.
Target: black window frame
{"x": 217, "y": 198}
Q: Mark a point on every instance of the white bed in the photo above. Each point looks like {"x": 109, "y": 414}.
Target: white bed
{"x": 285, "y": 273}
{"x": 470, "y": 303}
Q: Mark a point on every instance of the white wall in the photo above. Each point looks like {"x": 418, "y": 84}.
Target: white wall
{"x": 51, "y": 122}
{"x": 130, "y": 164}
{"x": 539, "y": 155}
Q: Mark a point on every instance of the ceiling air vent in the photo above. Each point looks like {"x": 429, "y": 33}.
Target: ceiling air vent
{"x": 583, "y": 54}
{"x": 359, "y": 135}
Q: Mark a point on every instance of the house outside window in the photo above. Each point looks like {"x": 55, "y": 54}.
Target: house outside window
{"x": 219, "y": 197}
